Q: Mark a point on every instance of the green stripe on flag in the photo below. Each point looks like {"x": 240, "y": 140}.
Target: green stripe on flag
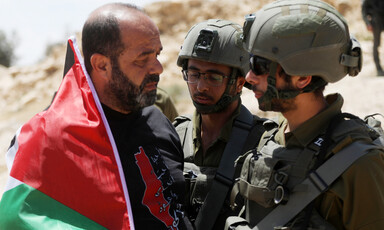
{"x": 24, "y": 207}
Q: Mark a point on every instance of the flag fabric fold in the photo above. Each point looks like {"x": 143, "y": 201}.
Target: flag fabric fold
{"x": 65, "y": 171}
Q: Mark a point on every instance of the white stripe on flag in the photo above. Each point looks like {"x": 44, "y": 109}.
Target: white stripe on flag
{"x": 12, "y": 183}
{"x": 9, "y": 158}
{"x": 11, "y": 153}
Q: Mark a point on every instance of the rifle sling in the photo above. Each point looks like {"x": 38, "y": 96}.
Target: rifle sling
{"x": 223, "y": 180}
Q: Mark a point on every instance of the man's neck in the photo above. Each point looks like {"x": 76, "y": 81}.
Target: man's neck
{"x": 215, "y": 121}
{"x": 212, "y": 123}
{"x": 114, "y": 107}
{"x": 307, "y": 106}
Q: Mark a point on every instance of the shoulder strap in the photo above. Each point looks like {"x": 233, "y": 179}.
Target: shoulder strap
{"x": 316, "y": 183}
{"x": 224, "y": 176}
{"x": 184, "y": 126}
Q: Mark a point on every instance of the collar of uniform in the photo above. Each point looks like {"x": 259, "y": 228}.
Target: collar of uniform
{"x": 280, "y": 137}
{"x": 196, "y": 119}
{"x": 316, "y": 125}
{"x": 225, "y": 130}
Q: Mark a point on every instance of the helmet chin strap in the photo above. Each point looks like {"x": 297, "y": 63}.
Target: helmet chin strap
{"x": 273, "y": 93}
{"x": 224, "y": 101}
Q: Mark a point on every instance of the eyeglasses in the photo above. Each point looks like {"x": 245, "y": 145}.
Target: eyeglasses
{"x": 212, "y": 79}
{"x": 259, "y": 65}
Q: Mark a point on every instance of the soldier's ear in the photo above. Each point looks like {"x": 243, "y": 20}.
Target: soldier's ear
{"x": 240, "y": 83}
{"x": 303, "y": 81}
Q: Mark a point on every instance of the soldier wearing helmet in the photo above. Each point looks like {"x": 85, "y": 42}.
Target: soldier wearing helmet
{"x": 214, "y": 65}
{"x": 298, "y": 47}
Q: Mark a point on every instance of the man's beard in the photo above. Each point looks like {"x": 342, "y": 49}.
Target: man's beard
{"x": 279, "y": 105}
{"x": 125, "y": 94}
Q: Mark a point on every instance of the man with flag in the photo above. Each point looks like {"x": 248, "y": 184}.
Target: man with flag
{"x": 100, "y": 157}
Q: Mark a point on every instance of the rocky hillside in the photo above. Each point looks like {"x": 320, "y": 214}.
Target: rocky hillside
{"x": 27, "y": 90}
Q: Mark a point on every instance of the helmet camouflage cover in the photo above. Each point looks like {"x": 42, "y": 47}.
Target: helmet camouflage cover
{"x": 306, "y": 37}
{"x": 217, "y": 41}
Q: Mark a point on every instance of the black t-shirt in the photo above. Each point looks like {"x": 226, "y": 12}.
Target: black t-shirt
{"x": 152, "y": 160}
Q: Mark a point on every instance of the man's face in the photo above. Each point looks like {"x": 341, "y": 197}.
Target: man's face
{"x": 129, "y": 96}
{"x": 259, "y": 87}
{"x": 135, "y": 72}
{"x": 203, "y": 91}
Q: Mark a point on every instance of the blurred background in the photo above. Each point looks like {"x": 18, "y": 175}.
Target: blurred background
{"x": 33, "y": 37}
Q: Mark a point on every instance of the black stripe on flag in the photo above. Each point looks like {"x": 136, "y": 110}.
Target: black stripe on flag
{"x": 69, "y": 59}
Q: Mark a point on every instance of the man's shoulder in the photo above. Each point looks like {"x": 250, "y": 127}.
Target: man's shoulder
{"x": 360, "y": 135}
{"x": 356, "y": 129}
{"x": 155, "y": 118}
{"x": 152, "y": 111}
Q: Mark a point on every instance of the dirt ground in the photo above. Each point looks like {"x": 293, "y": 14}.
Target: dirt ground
{"x": 21, "y": 98}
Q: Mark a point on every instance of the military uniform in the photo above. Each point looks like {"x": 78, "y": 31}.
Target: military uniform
{"x": 326, "y": 170}
{"x": 215, "y": 151}
{"x": 200, "y": 169}
{"x": 165, "y": 104}
{"x": 346, "y": 202}
{"x": 209, "y": 50}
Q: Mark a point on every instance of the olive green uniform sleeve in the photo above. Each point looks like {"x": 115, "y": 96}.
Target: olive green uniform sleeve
{"x": 165, "y": 104}
{"x": 356, "y": 200}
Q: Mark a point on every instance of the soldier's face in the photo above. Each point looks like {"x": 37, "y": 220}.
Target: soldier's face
{"x": 202, "y": 91}
{"x": 259, "y": 82}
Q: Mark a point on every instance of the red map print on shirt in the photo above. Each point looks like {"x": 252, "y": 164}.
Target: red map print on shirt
{"x": 153, "y": 196}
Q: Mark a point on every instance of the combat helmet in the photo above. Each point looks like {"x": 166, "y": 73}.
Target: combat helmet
{"x": 216, "y": 41}
{"x": 306, "y": 37}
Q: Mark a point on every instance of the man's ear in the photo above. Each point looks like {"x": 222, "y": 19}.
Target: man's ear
{"x": 303, "y": 81}
{"x": 240, "y": 83}
{"x": 100, "y": 64}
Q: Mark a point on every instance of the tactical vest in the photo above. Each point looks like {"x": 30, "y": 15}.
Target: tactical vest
{"x": 199, "y": 179}
{"x": 272, "y": 172}
{"x": 268, "y": 175}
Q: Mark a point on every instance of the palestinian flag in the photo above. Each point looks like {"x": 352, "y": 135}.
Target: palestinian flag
{"x": 65, "y": 171}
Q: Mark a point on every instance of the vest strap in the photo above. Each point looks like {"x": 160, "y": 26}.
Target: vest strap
{"x": 223, "y": 181}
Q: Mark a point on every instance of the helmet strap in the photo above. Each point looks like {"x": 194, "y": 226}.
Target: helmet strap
{"x": 273, "y": 93}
